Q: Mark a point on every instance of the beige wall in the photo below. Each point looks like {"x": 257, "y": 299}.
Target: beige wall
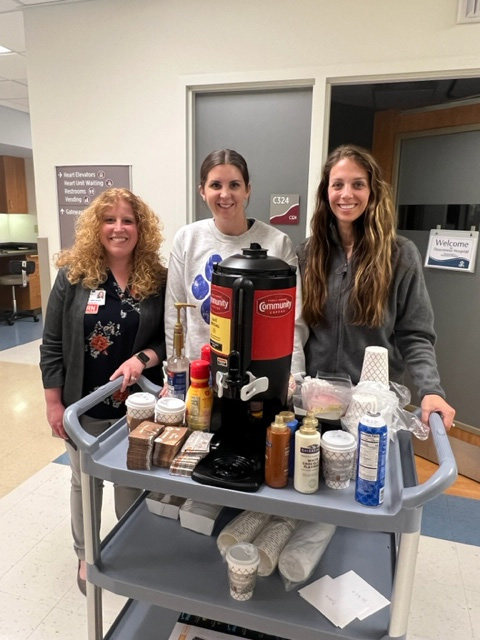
{"x": 108, "y": 79}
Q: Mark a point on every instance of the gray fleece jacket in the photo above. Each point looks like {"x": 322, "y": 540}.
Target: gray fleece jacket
{"x": 62, "y": 351}
{"x": 334, "y": 346}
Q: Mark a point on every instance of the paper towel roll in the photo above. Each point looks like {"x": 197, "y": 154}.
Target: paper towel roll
{"x": 375, "y": 366}
{"x": 303, "y": 551}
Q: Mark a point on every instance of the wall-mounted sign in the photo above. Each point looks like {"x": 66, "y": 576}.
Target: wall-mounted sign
{"x": 285, "y": 208}
{"x": 455, "y": 250}
{"x": 78, "y": 186}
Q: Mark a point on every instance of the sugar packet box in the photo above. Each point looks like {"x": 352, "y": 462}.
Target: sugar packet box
{"x": 199, "y": 516}
{"x": 167, "y": 445}
{"x": 165, "y": 505}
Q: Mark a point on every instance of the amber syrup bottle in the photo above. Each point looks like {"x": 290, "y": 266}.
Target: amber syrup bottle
{"x": 277, "y": 452}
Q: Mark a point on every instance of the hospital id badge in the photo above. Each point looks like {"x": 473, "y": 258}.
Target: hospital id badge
{"x": 97, "y": 296}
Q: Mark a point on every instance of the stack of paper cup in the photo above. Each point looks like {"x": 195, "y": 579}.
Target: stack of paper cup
{"x": 359, "y": 404}
{"x": 243, "y": 528}
{"x": 375, "y": 366}
{"x": 271, "y": 541}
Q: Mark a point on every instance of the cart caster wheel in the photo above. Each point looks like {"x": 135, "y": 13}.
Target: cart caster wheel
{"x": 35, "y": 319}
{"x": 10, "y": 323}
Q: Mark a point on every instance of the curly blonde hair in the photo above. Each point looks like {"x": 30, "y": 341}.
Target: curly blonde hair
{"x": 375, "y": 233}
{"x": 86, "y": 261}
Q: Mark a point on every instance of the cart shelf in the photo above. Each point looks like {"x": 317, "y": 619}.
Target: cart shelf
{"x": 161, "y": 566}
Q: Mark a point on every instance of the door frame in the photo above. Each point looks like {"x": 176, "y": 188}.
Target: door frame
{"x": 393, "y": 126}
{"x": 320, "y": 80}
{"x": 226, "y": 87}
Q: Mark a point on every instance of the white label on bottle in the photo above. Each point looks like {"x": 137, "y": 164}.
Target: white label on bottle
{"x": 369, "y": 452}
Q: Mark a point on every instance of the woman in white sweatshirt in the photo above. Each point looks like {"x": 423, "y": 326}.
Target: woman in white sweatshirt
{"x": 225, "y": 188}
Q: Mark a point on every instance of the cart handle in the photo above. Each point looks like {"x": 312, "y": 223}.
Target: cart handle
{"x": 87, "y": 443}
{"x": 443, "y": 477}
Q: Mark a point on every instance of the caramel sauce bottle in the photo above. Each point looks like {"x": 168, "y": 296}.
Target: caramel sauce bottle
{"x": 277, "y": 452}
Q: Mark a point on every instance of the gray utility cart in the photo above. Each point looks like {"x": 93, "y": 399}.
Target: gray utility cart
{"x": 164, "y": 569}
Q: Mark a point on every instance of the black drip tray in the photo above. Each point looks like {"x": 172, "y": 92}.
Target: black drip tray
{"x": 230, "y": 471}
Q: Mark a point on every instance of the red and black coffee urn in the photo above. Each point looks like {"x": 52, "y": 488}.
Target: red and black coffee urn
{"x": 252, "y": 323}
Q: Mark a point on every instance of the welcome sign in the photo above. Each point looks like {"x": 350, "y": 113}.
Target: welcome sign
{"x": 454, "y": 250}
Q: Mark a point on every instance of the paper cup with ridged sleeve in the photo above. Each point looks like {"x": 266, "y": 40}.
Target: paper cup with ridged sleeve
{"x": 338, "y": 453}
{"x": 140, "y": 407}
{"x": 242, "y": 560}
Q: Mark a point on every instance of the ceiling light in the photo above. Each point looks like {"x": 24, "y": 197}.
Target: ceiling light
{"x": 4, "y": 50}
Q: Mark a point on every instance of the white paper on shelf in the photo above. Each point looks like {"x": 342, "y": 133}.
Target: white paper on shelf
{"x": 344, "y": 598}
{"x": 375, "y": 600}
{"x": 329, "y": 598}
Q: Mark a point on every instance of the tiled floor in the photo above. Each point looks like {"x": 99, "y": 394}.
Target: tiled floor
{"x": 39, "y": 599}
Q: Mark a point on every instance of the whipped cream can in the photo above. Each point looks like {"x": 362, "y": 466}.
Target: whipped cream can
{"x": 371, "y": 460}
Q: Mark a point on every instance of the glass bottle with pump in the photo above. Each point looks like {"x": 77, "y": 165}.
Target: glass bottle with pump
{"x": 178, "y": 364}
{"x": 307, "y": 455}
{"x": 276, "y": 453}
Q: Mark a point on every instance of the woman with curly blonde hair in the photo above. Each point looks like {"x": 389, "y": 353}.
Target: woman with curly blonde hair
{"x": 105, "y": 319}
{"x": 363, "y": 284}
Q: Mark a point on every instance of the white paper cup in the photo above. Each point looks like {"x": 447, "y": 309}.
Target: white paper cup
{"x": 242, "y": 560}
{"x": 338, "y": 453}
{"x": 140, "y": 407}
{"x": 375, "y": 366}
{"x": 170, "y": 411}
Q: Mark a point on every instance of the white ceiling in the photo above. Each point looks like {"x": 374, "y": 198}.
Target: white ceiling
{"x": 13, "y": 69}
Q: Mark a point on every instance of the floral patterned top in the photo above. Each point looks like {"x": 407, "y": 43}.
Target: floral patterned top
{"x": 110, "y": 331}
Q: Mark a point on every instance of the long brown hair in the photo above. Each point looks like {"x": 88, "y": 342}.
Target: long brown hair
{"x": 374, "y": 231}
{"x": 87, "y": 260}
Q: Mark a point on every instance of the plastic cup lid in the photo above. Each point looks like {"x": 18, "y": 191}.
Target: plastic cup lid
{"x": 141, "y": 400}
{"x": 338, "y": 440}
{"x": 243, "y": 553}
{"x": 170, "y": 405}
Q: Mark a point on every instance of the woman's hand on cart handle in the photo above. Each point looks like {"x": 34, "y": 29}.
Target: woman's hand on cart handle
{"x": 433, "y": 403}
{"x": 132, "y": 369}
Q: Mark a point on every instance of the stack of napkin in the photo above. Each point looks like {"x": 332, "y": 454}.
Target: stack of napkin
{"x": 140, "y": 445}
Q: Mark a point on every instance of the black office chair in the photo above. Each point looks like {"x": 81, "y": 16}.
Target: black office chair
{"x": 18, "y": 272}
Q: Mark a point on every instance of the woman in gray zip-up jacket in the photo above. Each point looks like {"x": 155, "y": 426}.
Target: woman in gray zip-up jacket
{"x": 363, "y": 284}
{"x": 105, "y": 319}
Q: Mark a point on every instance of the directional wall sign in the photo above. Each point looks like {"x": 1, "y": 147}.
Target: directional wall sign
{"x": 78, "y": 186}
{"x": 285, "y": 208}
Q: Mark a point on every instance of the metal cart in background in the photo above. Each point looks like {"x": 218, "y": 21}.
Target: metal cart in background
{"x": 164, "y": 569}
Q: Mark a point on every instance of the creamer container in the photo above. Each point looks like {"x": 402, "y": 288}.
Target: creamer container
{"x": 277, "y": 451}
{"x": 199, "y": 396}
{"x": 205, "y": 354}
{"x": 307, "y": 455}
{"x": 371, "y": 460}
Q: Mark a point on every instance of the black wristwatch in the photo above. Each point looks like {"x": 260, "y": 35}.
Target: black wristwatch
{"x": 144, "y": 359}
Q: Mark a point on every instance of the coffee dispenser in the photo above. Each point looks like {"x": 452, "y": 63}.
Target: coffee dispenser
{"x": 252, "y": 323}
